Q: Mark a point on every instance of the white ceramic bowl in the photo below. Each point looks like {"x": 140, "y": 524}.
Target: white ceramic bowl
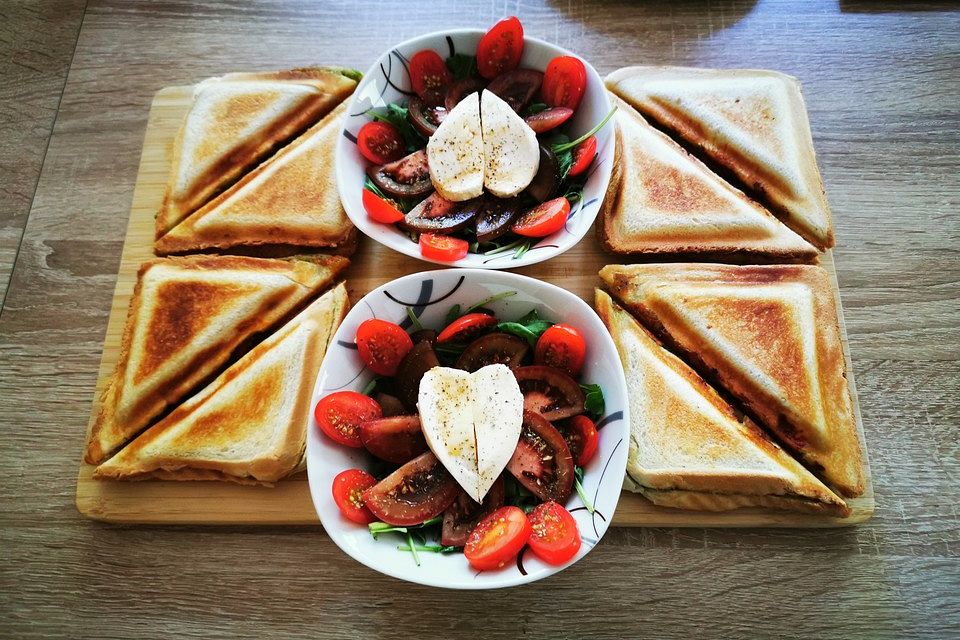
{"x": 431, "y": 294}
{"x": 388, "y": 79}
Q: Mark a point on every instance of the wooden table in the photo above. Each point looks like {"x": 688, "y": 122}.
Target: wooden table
{"x": 883, "y": 88}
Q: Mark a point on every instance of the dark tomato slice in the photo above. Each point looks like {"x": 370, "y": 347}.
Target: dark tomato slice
{"x": 548, "y": 119}
{"x": 408, "y": 177}
{"x": 542, "y": 462}
{"x": 582, "y": 438}
{"x": 428, "y": 71}
{"x": 461, "y": 89}
{"x": 555, "y": 538}
{"x": 424, "y": 335}
{"x": 543, "y": 219}
{"x": 550, "y": 392}
{"x": 424, "y": 118}
{"x": 517, "y": 87}
{"x": 380, "y": 210}
{"x": 382, "y": 345}
{"x": 547, "y": 179}
{"x": 466, "y": 328}
{"x": 348, "y": 488}
{"x": 493, "y": 348}
{"x": 497, "y": 539}
{"x": 583, "y": 155}
{"x": 495, "y": 217}
{"x": 461, "y": 517}
{"x": 443, "y": 248}
{"x": 380, "y": 142}
{"x": 339, "y": 415}
{"x": 417, "y": 491}
{"x": 500, "y": 48}
{"x": 398, "y": 439}
{"x": 390, "y": 404}
{"x": 564, "y": 82}
{"x": 562, "y": 347}
{"x": 436, "y": 214}
{"x": 421, "y": 359}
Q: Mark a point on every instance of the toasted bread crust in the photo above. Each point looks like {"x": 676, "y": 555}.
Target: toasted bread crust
{"x": 774, "y": 384}
{"x": 124, "y": 410}
{"x": 707, "y": 501}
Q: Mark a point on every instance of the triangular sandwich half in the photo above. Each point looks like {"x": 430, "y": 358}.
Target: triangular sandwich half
{"x": 235, "y": 122}
{"x": 769, "y": 335}
{"x": 250, "y": 424}
{"x": 186, "y": 318}
{"x": 752, "y": 123}
{"x": 688, "y": 448}
{"x": 291, "y": 199}
{"x": 663, "y": 200}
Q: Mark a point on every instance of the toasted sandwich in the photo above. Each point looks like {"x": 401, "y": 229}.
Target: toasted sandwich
{"x": 768, "y": 335}
{"x": 662, "y": 200}
{"x": 235, "y": 122}
{"x": 187, "y": 317}
{"x": 753, "y": 124}
{"x": 688, "y": 448}
{"x": 250, "y": 424}
{"x": 291, "y": 199}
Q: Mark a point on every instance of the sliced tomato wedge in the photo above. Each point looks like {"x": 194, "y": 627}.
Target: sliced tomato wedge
{"x": 500, "y": 48}
{"x": 562, "y": 347}
{"x": 434, "y": 246}
{"x": 429, "y": 74}
{"x": 582, "y": 438}
{"x": 379, "y": 209}
{"x": 466, "y": 328}
{"x": 542, "y": 462}
{"x": 348, "y": 488}
{"x": 554, "y": 537}
{"x": 583, "y": 155}
{"x": 380, "y": 142}
{"x": 497, "y": 539}
{"x": 564, "y": 82}
{"x": 543, "y": 219}
{"x": 548, "y": 119}
{"x": 382, "y": 345}
{"x": 462, "y": 517}
{"x": 417, "y": 491}
{"x": 397, "y": 439}
{"x": 339, "y": 415}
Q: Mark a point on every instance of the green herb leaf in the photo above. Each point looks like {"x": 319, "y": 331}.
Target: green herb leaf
{"x": 431, "y": 548}
{"x": 577, "y": 484}
{"x": 452, "y": 315}
{"x": 417, "y": 325}
{"x": 522, "y": 249}
{"x": 530, "y": 327}
{"x": 594, "y": 403}
{"x": 504, "y": 248}
{"x": 566, "y": 146}
{"x": 398, "y": 116}
{"x": 462, "y": 66}
{"x": 413, "y": 549}
{"x": 367, "y": 390}
{"x": 403, "y": 204}
{"x": 536, "y": 107}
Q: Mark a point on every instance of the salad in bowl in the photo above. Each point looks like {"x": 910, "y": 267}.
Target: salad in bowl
{"x": 486, "y": 149}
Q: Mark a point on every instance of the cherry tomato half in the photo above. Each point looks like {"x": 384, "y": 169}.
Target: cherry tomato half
{"x": 543, "y": 219}
{"x": 500, "y": 48}
{"x": 548, "y": 119}
{"x": 497, "y": 539}
{"x": 466, "y": 327}
{"x": 379, "y": 209}
{"x": 583, "y": 155}
{"x": 582, "y": 438}
{"x": 382, "y": 345}
{"x": 555, "y": 538}
{"x": 434, "y": 246}
{"x": 564, "y": 82}
{"x": 380, "y": 142}
{"x": 562, "y": 347}
{"x": 339, "y": 415}
{"x": 348, "y": 488}
{"x": 428, "y": 73}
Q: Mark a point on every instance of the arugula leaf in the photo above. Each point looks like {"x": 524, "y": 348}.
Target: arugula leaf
{"x": 403, "y": 204}
{"x": 567, "y": 146}
{"x": 594, "y": 403}
{"x": 578, "y": 485}
{"x": 462, "y": 66}
{"x": 397, "y": 115}
{"x": 456, "y": 312}
{"x": 530, "y": 327}
{"x": 367, "y": 390}
{"x": 432, "y": 548}
{"x": 522, "y": 249}
{"x": 452, "y": 315}
{"x": 536, "y": 107}
{"x": 414, "y": 320}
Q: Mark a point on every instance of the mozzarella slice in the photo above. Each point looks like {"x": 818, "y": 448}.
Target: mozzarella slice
{"x": 510, "y": 148}
{"x": 471, "y": 422}
{"x": 455, "y": 152}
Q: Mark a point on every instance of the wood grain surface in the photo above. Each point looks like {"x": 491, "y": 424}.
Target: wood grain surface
{"x": 290, "y": 503}
{"x": 882, "y": 85}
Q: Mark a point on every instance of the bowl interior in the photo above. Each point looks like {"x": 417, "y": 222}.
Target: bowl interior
{"x": 388, "y": 81}
{"x": 430, "y": 295}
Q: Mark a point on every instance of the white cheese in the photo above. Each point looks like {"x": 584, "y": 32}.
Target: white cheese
{"x": 510, "y": 148}
{"x": 455, "y": 152}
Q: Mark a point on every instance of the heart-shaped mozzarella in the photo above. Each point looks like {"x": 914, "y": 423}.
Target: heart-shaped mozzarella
{"x": 471, "y": 422}
{"x": 455, "y": 152}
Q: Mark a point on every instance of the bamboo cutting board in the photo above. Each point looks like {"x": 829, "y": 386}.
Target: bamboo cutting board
{"x": 289, "y": 502}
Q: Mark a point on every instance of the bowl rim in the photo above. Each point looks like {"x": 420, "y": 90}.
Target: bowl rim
{"x": 371, "y": 229}
{"x": 530, "y": 285}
